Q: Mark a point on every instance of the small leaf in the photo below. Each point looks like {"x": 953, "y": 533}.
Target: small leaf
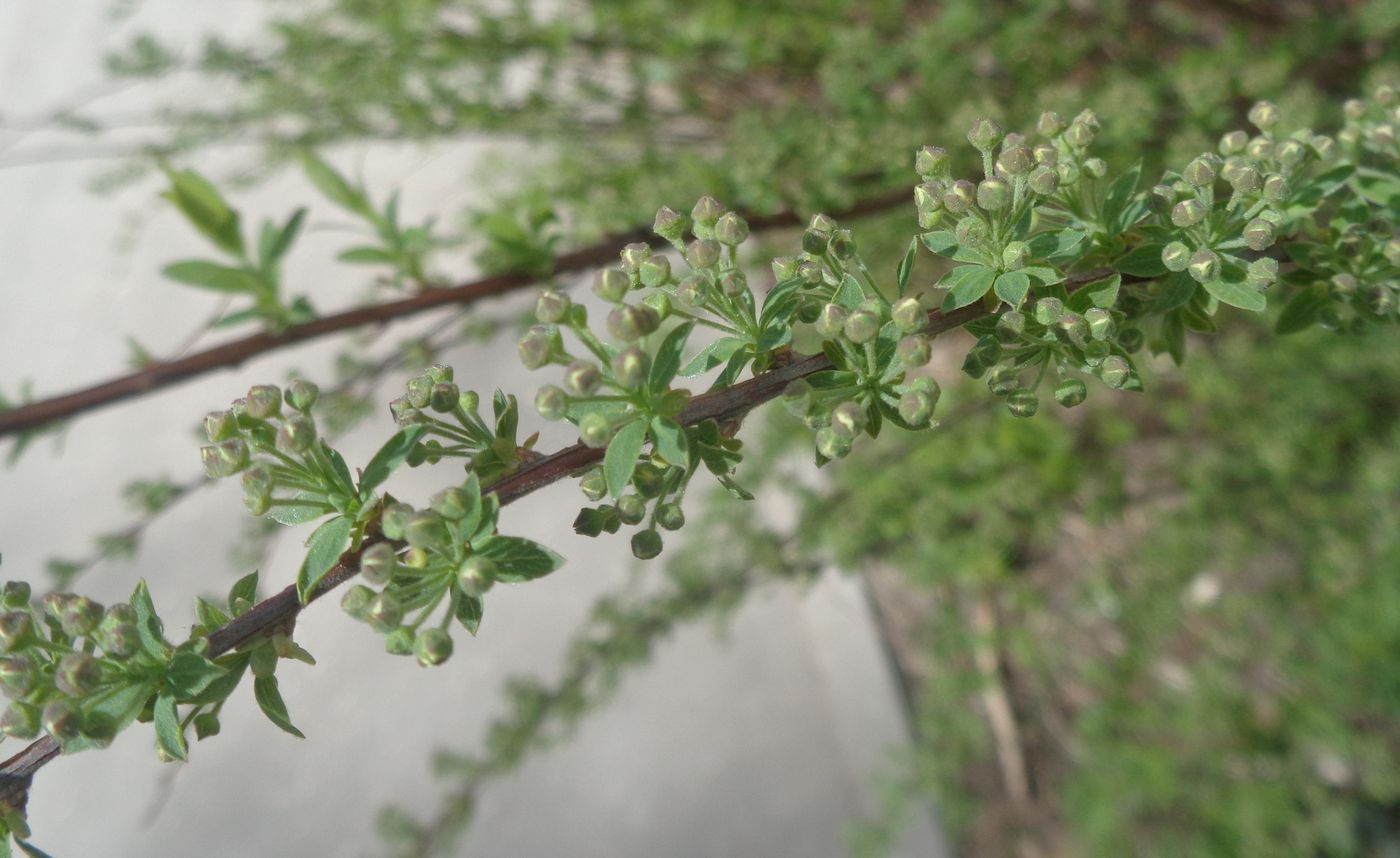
{"x": 941, "y": 242}
{"x": 849, "y": 294}
{"x": 774, "y": 336}
{"x": 209, "y": 615}
{"x": 269, "y": 699}
{"x": 276, "y": 242}
{"x": 668, "y": 358}
{"x": 779, "y": 301}
{"x": 1237, "y": 293}
{"x": 468, "y": 611}
{"x": 30, "y": 849}
{"x": 389, "y": 457}
{"x": 244, "y": 589}
{"x": 202, "y": 205}
{"x": 366, "y": 255}
{"x": 190, "y": 673}
{"x": 170, "y": 738}
{"x": 335, "y": 187}
{"x": 1118, "y": 211}
{"x": 297, "y": 513}
{"x": 1145, "y": 260}
{"x": 969, "y": 283}
{"x": 1301, "y": 311}
{"x": 219, "y": 278}
{"x": 621, "y": 458}
{"x": 223, "y": 685}
{"x": 712, "y": 356}
{"x": 906, "y": 266}
{"x": 323, "y": 550}
{"x": 519, "y": 559}
{"x": 1101, "y": 293}
{"x": 1012, "y": 286}
{"x": 1058, "y": 246}
{"x": 671, "y": 442}
{"x": 148, "y": 624}
{"x": 731, "y": 370}
{"x": 1175, "y": 290}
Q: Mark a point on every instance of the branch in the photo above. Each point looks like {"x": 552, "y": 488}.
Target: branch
{"x": 36, "y": 414}
{"x": 727, "y": 406}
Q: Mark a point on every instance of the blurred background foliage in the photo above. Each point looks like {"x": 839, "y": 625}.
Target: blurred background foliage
{"x": 1154, "y": 625}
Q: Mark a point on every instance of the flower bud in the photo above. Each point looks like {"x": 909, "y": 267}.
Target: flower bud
{"x": 302, "y": 394}
{"x": 810, "y": 271}
{"x": 1385, "y": 95}
{"x": 418, "y": 391}
{"x": 797, "y": 397}
{"x": 1010, "y": 326}
{"x": 1233, "y": 143}
{"x": 1015, "y": 160}
{"x": 1003, "y": 379}
{"x": 80, "y": 616}
{"x": 21, "y": 721}
{"x": 631, "y": 509}
{"x": 1259, "y": 148}
{"x": 908, "y": 316}
{"x": 594, "y": 484}
{"x": 263, "y": 401}
{"x": 994, "y": 194}
{"x": 1048, "y": 311}
{"x": 1290, "y": 153}
{"x": 1022, "y": 402}
{"x": 832, "y": 321}
{"x": 960, "y": 196}
{"x": 17, "y": 675}
{"x": 1391, "y": 252}
{"x": 551, "y": 403}
{"x": 1276, "y": 188}
{"x": 552, "y": 307}
{"x": 595, "y": 430}
{"x": 1176, "y": 256}
{"x": 1324, "y": 147}
{"x": 985, "y": 135}
{"x": 444, "y": 397}
{"x": 669, "y": 516}
{"x": 399, "y": 641}
{"x": 582, "y": 378}
{"x": 831, "y": 444}
{"x": 1096, "y": 167}
{"x": 537, "y": 347}
{"x": 1204, "y": 266}
{"x": 931, "y": 162}
{"x": 784, "y": 268}
{"x": 1068, "y": 171}
{"x": 118, "y": 640}
{"x": 1343, "y": 285}
{"x": 649, "y": 480}
{"x": 631, "y": 366}
{"x": 1262, "y": 272}
{"x": 646, "y": 544}
{"x": 1044, "y": 180}
{"x": 62, "y": 720}
{"x": 432, "y": 647}
{"x": 1051, "y": 124}
{"x": 707, "y": 212}
{"x": 848, "y": 419}
{"x": 731, "y": 230}
{"x": 296, "y": 434}
{"x": 611, "y": 284}
{"x": 1189, "y": 213}
{"x": 220, "y": 425}
{"x": 404, "y": 414}
{"x": 384, "y": 613}
{"x": 1258, "y": 234}
{"x": 225, "y": 458}
{"x": 655, "y": 271}
{"x": 703, "y": 253}
{"x": 1079, "y": 135}
{"x": 1246, "y": 179}
{"x": 633, "y": 255}
{"x": 815, "y": 242}
{"x": 669, "y": 224}
{"x": 395, "y": 519}
{"x": 928, "y": 197}
{"x": 1100, "y": 321}
{"x": 378, "y": 563}
{"x": 629, "y": 323}
{"x": 913, "y": 350}
{"x": 843, "y": 244}
{"x": 733, "y": 283}
{"x": 861, "y": 326}
{"x": 1264, "y": 115}
{"x": 426, "y": 529}
{"x": 1115, "y": 371}
{"x": 356, "y": 601}
{"x": 1381, "y": 299}
{"x": 15, "y": 594}
{"x": 916, "y": 407}
{"x": 16, "y": 630}
{"x": 77, "y": 674}
{"x": 1200, "y": 172}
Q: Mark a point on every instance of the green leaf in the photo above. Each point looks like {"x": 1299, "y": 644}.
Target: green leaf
{"x": 245, "y": 588}
{"x": 730, "y": 373}
{"x": 941, "y": 242}
{"x": 906, "y": 266}
{"x": 170, "y": 738}
{"x": 471, "y": 488}
{"x": 968, "y": 283}
{"x": 1145, "y": 260}
{"x": 1174, "y": 291}
{"x": 1058, "y": 246}
{"x": 712, "y": 356}
{"x": 219, "y": 278}
{"x": 779, "y": 301}
{"x": 323, "y": 550}
{"x": 849, "y": 294}
{"x": 275, "y": 243}
{"x": 1237, "y": 293}
{"x": 189, "y": 673}
{"x": 223, "y": 685}
{"x": 203, "y": 207}
{"x": 1044, "y": 273}
{"x": 148, "y": 624}
{"x": 335, "y": 187}
{"x": 668, "y": 358}
{"x": 621, "y": 458}
{"x": 30, "y": 849}
{"x": 1119, "y": 213}
{"x": 519, "y": 559}
{"x": 671, "y": 442}
{"x": 1101, "y": 293}
{"x": 1301, "y": 311}
{"x": 468, "y": 611}
{"x": 389, "y": 457}
{"x": 270, "y": 701}
{"x": 1012, "y": 286}
{"x": 774, "y": 336}
{"x": 366, "y": 255}
{"x": 1378, "y": 187}
{"x": 1174, "y": 335}
{"x": 507, "y": 412}
{"x": 297, "y": 513}
{"x": 209, "y": 615}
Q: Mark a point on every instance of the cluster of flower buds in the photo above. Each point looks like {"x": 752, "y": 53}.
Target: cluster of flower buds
{"x": 453, "y": 427}
{"x": 444, "y": 556}
{"x": 1372, "y": 125}
{"x": 60, "y": 656}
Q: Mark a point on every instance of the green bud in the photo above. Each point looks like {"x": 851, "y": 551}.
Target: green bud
{"x": 784, "y": 268}
{"x": 797, "y": 397}
{"x": 960, "y": 196}
{"x": 733, "y": 283}
{"x": 77, "y": 674}
{"x": 302, "y": 394}
{"x": 394, "y": 520}
{"x": 552, "y": 307}
{"x": 80, "y": 616}
{"x": 418, "y": 391}
{"x": 913, "y": 350}
{"x": 1051, "y": 124}
{"x": 426, "y": 529}
{"x": 646, "y": 544}
{"x": 383, "y": 613}
{"x": 703, "y": 253}
{"x": 832, "y": 444}
{"x": 1391, "y": 252}
{"x": 1189, "y": 213}
{"x": 832, "y": 321}
{"x": 296, "y": 434}
{"x": 633, "y": 255}
{"x": 1276, "y": 188}
{"x": 1023, "y": 403}
{"x": 1259, "y": 149}
{"x": 1015, "y": 160}
{"x": 823, "y": 224}
{"x": 861, "y": 326}
{"x": 536, "y": 347}
{"x": 1233, "y": 143}
{"x": 1079, "y": 135}
{"x": 1048, "y": 311}
{"x": 629, "y": 323}
{"x": 1068, "y": 171}
{"x": 444, "y": 397}
{"x": 62, "y": 720}
{"x": 1258, "y": 234}
{"x": 1096, "y": 167}
{"x": 21, "y": 721}
{"x": 1290, "y": 153}
{"x": 1176, "y": 256}
{"x": 916, "y": 407}
{"x": 908, "y": 316}
{"x": 1131, "y": 339}
{"x": 220, "y": 425}
{"x": 1324, "y": 147}
{"x": 1010, "y": 326}
{"x": 16, "y": 630}
{"x": 1046, "y": 155}
{"x": 404, "y": 414}
{"x": 225, "y": 458}
{"x": 399, "y": 641}
{"x": 582, "y": 378}
{"x": 928, "y": 197}
{"x": 669, "y": 224}
{"x": 669, "y": 516}
{"x": 707, "y": 212}
{"x": 985, "y": 135}
{"x": 1264, "y": 115}
{"x": 1162, "y": 198}
{"x": 451, "y": 503}
{"x": 1044, "y": 180}
{"x": 1100, "y": 321}
{"x": 611, "y": 284}
{"x": 206, "y": 724}
{"x": 810, "y": 271}
{"x": 1246, "y": 179}
{"x": 815, "y": 242}
{"x": 15, "y": 594}
{"x": 1343, "y": 285}
{"x": 843, "y": 244}
{"x": 1385, "y": 95}
{"x": 931, "y": 162}
{"x": 1204, "y": 266}
{"x": 1200, "y": 172}
{"x": 631, "y": 366}
{"x": 118, "y": 640}
{"x": 595, "y": 430}
{"x": 994, "y": 194}
{"x": 1262, "y": 272}
{"x": 649, "y": 480}
{"x": 356, "y": 601}
{"x": 432, "y": 647}
{"x": 17, "y": 675}
{"x": 631, "y": 509}
{"x": 1070, "y": 392}
{"x": 692, "y": 291}
{"x": 263, "y": 401}
{"x": 594, "y": 484}
{"x": 1115, "y": 371}
{"x": 848, "y": 419}
{"x": 731, "y": 230}
{"x": 551, "y": 403}
{"x": 1003, "y": 379}
{"x": 655, "y": 271}
{"x": 1381, "y": 299}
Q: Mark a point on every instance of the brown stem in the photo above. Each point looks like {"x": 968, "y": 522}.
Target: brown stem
{"x": 36, "y": 414}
